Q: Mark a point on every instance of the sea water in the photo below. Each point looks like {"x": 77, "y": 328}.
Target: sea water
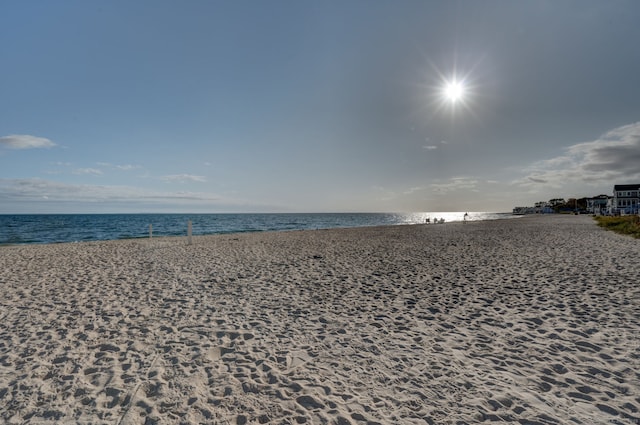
{"x": 56, "y": 228}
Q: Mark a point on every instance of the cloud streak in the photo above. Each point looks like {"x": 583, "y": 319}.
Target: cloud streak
{"x": 25, "y": 141}
{"x": 434, "y": 147}
{"x": 123, "y": 167}
{"x": 90, "y": 171}
{"x": 183, "y": 178}
{"x": 612, "y": 158}
{"x": 38, "y": 189}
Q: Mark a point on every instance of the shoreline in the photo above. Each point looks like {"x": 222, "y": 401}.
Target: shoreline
{"x": 47, "y": 228}
{"x": 535, "y": 319}
{"x": 247, "y": 232}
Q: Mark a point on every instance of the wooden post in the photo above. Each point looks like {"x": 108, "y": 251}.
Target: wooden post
{"x": 189, "y": 232}
{"x": 150, "y": 231}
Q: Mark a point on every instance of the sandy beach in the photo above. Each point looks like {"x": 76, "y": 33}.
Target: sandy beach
{"x": 533, "y": 320}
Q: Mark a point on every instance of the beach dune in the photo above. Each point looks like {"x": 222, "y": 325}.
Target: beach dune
{"x": 533, "y": 321}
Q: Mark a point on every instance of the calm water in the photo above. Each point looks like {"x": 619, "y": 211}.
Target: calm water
{"x": 55, "y": 228}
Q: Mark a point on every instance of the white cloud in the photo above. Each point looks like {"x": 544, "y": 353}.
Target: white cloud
{"x": 91, "y": 171}
{"x": 436, "y": 146}
{"x": 127, "y": 167}
{"x": 39, "y": 189}
{"x": 124, "y": 167}
{"x": 612, "y": 158}
{"x": 25, "y": 141}
{"x": 183, "y": 178}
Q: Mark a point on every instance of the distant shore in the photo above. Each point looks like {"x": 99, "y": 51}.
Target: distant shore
{"x": 533, "y": 320}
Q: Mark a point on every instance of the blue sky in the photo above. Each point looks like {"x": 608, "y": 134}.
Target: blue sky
{"x": 253, "y": 106}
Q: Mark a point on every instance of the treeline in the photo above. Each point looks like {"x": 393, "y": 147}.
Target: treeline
{"x": 560, "y": 204}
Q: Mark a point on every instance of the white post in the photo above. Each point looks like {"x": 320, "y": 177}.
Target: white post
{"x": 189, "y": 231}
{"x": 150, "y": 231}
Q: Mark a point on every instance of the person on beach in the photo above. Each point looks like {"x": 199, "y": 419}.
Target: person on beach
{"x": 464, "y": 219}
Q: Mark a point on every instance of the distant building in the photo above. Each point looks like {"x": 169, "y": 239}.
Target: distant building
{"x": 598, "y": 204}
{"x": 543, "y": 208}
{"x": 626, "y": 199}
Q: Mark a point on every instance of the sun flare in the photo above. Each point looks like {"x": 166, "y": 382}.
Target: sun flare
{"x": 454, "y": 91}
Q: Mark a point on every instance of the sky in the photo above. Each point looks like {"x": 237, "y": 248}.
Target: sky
{"x": 326, "y": 106}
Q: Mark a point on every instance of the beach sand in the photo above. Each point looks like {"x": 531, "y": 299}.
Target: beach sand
{"x": 533, "y": 321}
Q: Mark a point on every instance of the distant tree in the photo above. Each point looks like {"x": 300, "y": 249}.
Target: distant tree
{"x": 582, "y": 204}
{"x": 557, "y": 204}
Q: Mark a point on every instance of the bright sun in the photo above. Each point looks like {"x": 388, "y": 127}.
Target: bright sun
{"x": 454, "y": 91}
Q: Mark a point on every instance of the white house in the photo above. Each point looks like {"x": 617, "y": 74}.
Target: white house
{"x": 626, "y": 199}
{"x": 598, "y": 204}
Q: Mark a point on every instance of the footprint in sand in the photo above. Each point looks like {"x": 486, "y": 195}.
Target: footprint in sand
{"x": 214, "y": 354}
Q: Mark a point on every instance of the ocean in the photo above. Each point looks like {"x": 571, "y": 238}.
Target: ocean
{"x": 58, "y": 228}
